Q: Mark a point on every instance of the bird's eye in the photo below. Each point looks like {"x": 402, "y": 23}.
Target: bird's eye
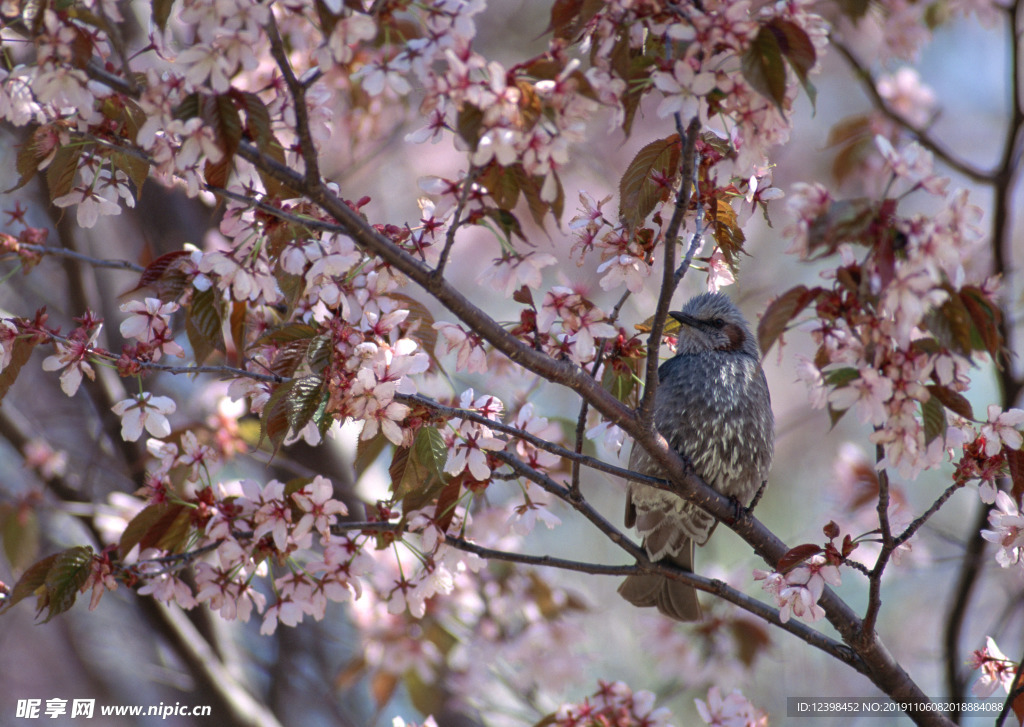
{"x": 717, "y": 322}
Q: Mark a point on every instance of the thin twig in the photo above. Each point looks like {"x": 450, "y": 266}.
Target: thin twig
{"x": 688, "y": 140}
{"x": 457, "y": 221}
{"x": 307, "y": 147}
{"x": 50, "y": 251}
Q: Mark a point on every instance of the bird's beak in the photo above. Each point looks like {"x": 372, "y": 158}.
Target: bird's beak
{"x": 685, "y": 319}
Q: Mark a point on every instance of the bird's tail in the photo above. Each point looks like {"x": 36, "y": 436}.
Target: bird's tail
{"x": 673, "y": 598}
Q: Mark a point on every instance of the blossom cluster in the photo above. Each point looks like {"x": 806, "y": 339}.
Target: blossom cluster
{"x": 881, "y": 353}
{"x": 798, "y": 590}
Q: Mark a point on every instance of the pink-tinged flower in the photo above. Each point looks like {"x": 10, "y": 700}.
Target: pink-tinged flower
{"x": 870, "y": 392}
{"x": 1007, "y": 530}
{"x": 1002, "y": 428}
{"x": 733, "y": 710}
{"x": 719, "y": 272}
{"x": 525, "y": 516}
{"x": 907, "y": 95}
{"x": 320, "y": 509}
{"x": 144, "y": 411}
{"x": 271, "y": 513}
{"x": 997, "y": 670}
{"x": 375, "y": 77}
{"x": 470, "y": 356}
{"x": 8, "y": 335}
{"x": 798, "y": 591}
{"x": 149, "y": 323}
{"x": 93, "y": 197}
{"x": 224, "y": 592}
{"x": 71, "y": 357}
{"x": 628, "y": 270}
{"x": 914, "y": 163}
{"x": 470, "y": 450}
{"x": 810, "y": 374}
{"x": 509, "y": 273}
{"x": 538, "y": 426}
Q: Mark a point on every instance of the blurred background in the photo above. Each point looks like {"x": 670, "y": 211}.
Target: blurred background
{"x": 132, "y": 651}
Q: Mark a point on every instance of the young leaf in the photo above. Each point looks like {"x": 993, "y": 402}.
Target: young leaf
{"x": 952, "y": 400}
{"x": 648, "y": 179}
{"x": 797, "y": 555}
{"x": 20, "y": 353}
{"x": 933, "y": 414}
{"x": 764, "y": 68}
{"x": 780, "y": 312}
{"x": 65, "y": 579}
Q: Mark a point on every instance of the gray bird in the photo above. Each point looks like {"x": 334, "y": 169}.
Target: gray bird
{"x": 712, "y": 406}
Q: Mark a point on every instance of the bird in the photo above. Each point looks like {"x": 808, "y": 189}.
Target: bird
{"x": 713, "y": 407}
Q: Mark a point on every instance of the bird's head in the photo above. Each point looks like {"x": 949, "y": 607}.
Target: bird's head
{"x": 711, "y": 321}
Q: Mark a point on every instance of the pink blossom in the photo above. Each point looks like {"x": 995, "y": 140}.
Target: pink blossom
{"x": 144, "y": 411}
{"x": 1007, "y": 530}
{"x": 627, "y": 270}
{"x": 71, "y": 357}
{"x": 907, "y": 95}
{"x": 1002, "y": 428}
{"x": 997, "y": 670}
{"x": 734, "y": 710}
{"x": 320, "y": 510}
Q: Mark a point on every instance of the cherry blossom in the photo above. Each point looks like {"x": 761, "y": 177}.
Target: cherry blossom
{"x": 997, "y": 670}
{"x": 1007, "y": 530}
{"x": 732, "y": 710}
{"x": 144, "y": 411}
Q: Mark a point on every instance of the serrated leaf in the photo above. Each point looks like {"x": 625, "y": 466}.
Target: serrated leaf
{"x": 414, "y": 481}
{"x": 65, "y": 579}
{"x": 986, "y": 317}
{"x": 257, "y": 120}
{"x": 203, "y": 324}
{"x": 447, "y": 499}
{"x": 274, "y": 421}
{"x": 29, "y": 157}
{"x": 21, "y": 351}
{"x": 764, "y": 68}
{"x": 780, "y": 312}
{"x": 60, "y": 175}
{"x": 933, "y": 414}
{"x": 468, "y": 123}
{"x": 303, "y": 401}
{"x": 32, "y": 580}
{"x": 796, "y": 555}
{"x": 502, "y": 184}
{"x": 639, "y": 193}
{"x": 728, "y": 234}
{"x": 430, "y": 449}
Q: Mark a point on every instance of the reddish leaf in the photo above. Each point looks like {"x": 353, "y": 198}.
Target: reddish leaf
{"x": 60, "y": 175}
{"x": 764, "y": 68}
{"x": 1015, "y": 460}
{"x": 798, "y": 49}
{"x": 446, "y": 501}
{"x": 952, "y": 400}
{"x": 31, "y": 580}
{"x": 64, "y": 580}
{"x": 780, "y": 312}
{"x": 203, "y": 324}
{"x": 303, "y": 401}
{"x": 20, "y": 528}
{"x": 639, "y": 192}
{"x": 20, "y": 353}
{"x": 796, "y": 555}
{"x": 986, "y": 317}
{"x": 274, "y": 422}
{"x": 159, "y": 272}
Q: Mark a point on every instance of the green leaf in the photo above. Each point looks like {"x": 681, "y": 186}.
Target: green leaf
{"x": 65, "y": 579}
{"x": 639, "y": 193}
{"x": 31, "y": 581}
{"x": 367, "y": 452}
{"x": 416, "y": 473}
{"x": 305, "y": 398}
{"x": 20, "y": 527}
{"x": 430, "y": 449}
{"x": 841, "y": 377}
{"x": 933, "y": 414}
